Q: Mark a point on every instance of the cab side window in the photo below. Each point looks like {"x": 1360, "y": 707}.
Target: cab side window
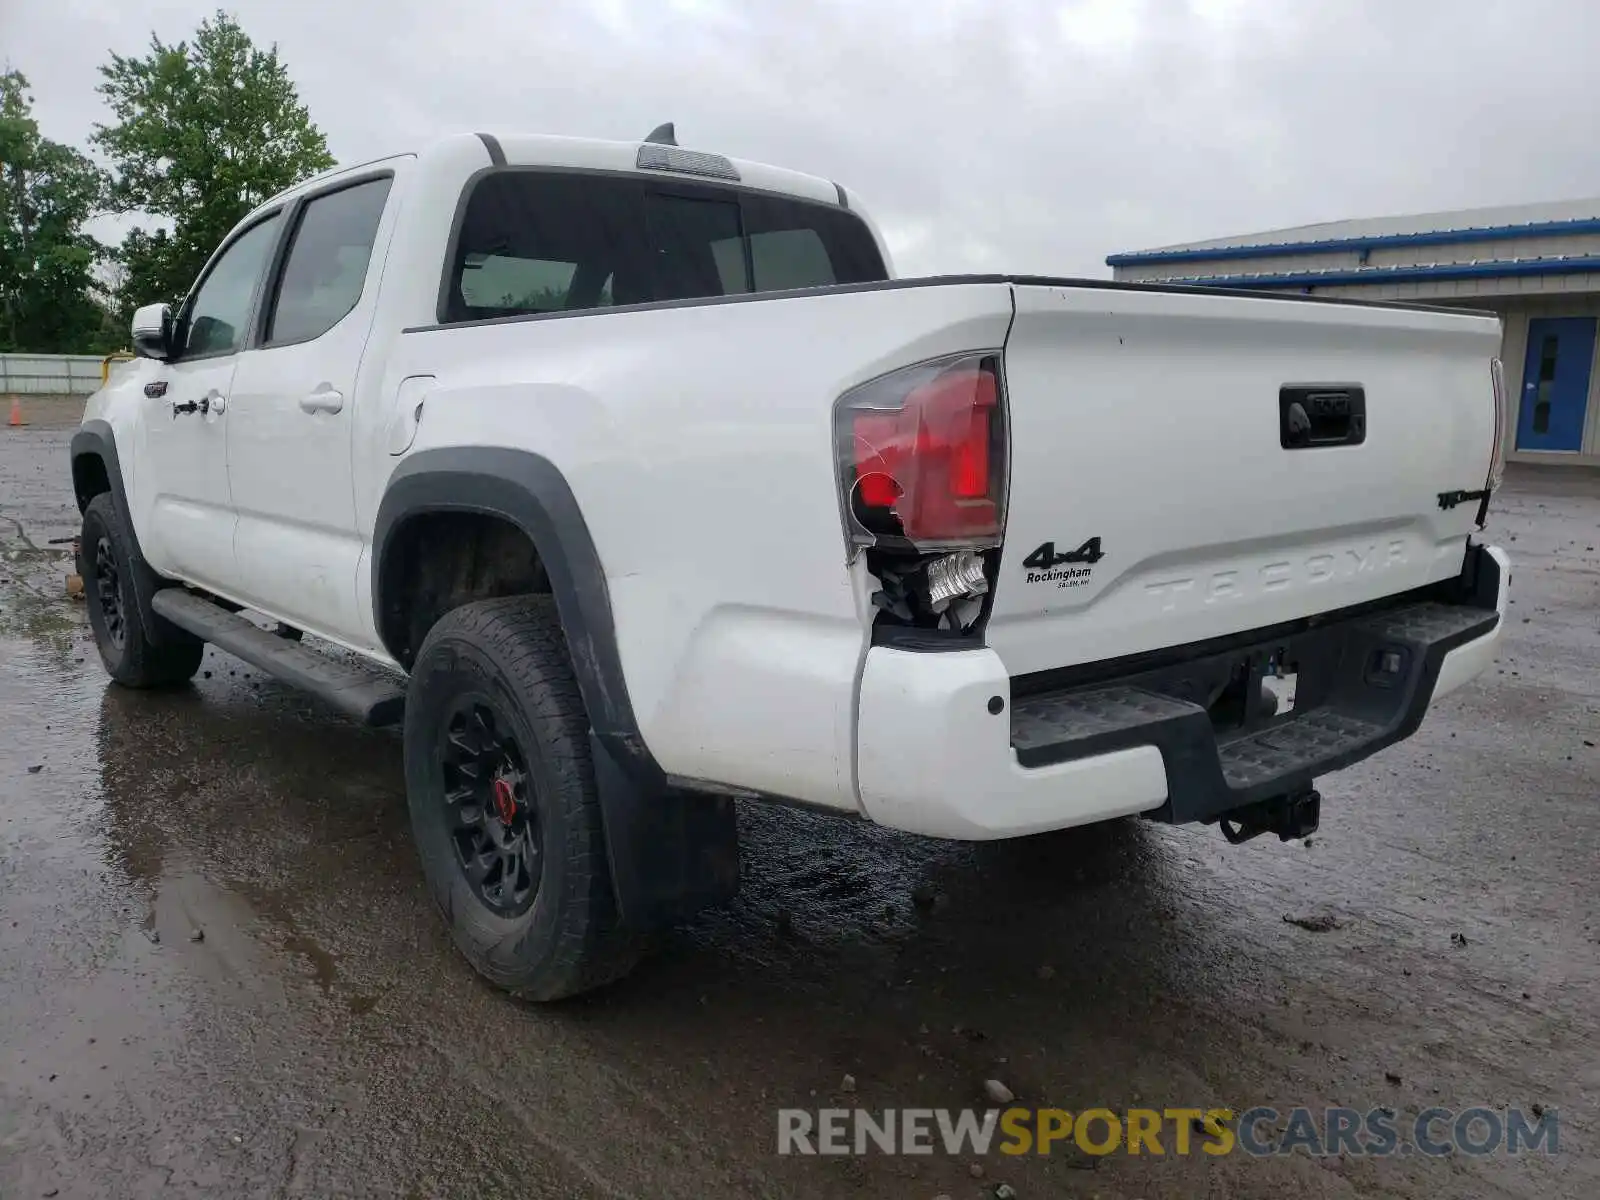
{"x": 220, "y": 309}
{"x": 326, "y": 268}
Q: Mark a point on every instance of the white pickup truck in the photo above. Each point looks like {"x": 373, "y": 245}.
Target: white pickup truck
{"x": 638, "y": 487}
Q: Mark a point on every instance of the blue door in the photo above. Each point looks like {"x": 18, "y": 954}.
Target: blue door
{"x": 1555, "y": 383}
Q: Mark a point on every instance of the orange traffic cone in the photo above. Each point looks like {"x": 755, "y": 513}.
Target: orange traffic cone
{"x": 16, "y": 412}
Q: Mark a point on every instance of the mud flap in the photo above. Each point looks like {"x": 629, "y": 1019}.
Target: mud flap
{"x": 672, "y": 853}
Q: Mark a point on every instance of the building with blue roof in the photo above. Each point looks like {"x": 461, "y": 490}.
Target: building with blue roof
{"x": 1536, "y": 265}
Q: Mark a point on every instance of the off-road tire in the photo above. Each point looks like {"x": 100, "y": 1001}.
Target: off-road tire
{"x": 512, "y": 652}
{"x": 116, "y": 587}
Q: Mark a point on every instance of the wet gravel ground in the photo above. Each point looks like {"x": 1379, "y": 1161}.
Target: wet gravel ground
{"x": 220, "y": 974}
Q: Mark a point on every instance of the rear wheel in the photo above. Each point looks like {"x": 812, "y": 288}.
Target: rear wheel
{"x": 503, "y": 802}
{"x": 111, "y": 587}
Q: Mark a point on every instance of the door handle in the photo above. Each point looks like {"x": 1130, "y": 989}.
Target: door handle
{"x": 324, "y": 399}
{"x": 212, "y": 402}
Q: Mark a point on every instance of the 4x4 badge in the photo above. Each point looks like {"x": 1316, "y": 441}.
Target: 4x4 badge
{"x": 1068, "y": 569}
{"x": 1045, "y": 557}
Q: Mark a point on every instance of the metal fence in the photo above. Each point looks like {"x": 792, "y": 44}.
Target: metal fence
{"x": 52, "y": 374}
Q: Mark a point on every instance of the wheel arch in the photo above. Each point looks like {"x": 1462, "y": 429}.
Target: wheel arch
{"x": 670, "y": 853}
{"x": 97, "y": 470}
{"x": 529, "y": 492}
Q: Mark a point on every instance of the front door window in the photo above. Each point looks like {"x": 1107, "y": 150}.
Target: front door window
{"x": 220, "y": 309}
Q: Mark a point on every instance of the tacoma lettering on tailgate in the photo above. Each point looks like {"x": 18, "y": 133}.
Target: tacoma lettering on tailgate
{"x": 1276, "y": 576}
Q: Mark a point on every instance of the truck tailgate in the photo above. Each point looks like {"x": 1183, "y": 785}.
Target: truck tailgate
{"x": 1153, "y": 501}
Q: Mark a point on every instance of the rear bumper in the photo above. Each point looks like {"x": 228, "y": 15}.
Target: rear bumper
{"x": 945, "y": 748}
{"x": 1466, "y": 662}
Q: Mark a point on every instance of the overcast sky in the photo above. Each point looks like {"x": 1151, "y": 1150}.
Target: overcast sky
{"x": 1008, "y": 135}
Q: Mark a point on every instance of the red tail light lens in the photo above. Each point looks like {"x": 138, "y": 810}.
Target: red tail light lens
{"x": 922, "y": 455}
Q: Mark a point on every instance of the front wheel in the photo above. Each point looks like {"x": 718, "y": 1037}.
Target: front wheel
{"x": 503, "y": 802}
{"x": 111, "y": 590}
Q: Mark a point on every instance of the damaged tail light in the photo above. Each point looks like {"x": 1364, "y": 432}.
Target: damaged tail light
{"x": 922, "y": 456}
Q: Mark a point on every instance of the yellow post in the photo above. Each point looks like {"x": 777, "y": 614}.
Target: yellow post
{"x": 105, "y": 364}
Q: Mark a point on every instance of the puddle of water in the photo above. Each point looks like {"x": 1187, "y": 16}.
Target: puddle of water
{"x": 323, "y": 969}
{"x": 93, "y": 782}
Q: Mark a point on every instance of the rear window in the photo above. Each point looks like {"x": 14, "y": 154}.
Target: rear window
{"x": 540, "y": 242}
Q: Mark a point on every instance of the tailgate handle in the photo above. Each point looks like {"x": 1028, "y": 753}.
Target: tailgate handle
{"x": 1321, "y": 414}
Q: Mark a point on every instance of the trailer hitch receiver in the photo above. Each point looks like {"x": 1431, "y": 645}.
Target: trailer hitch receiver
{"x": 1293, "y": 815}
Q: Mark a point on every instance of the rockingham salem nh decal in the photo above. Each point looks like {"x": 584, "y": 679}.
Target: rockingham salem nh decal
{"x": 1044, "y": 565}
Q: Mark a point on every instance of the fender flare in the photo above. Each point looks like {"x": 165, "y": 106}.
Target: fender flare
{"x": 95, "y": 439}
{"x": 671, "y": 853}
{"x": 530, "y": 492}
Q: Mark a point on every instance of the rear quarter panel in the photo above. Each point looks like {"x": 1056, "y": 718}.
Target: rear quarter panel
{"x": 698, "y": 443}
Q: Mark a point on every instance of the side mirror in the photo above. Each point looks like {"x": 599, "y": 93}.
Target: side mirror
{"x": 152, "y": 331}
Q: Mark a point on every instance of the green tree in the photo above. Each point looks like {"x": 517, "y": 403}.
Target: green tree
{"x": 48, "y": 296}
{"x": 202, "y": 132}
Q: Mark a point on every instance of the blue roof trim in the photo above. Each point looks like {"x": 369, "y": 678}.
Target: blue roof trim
{"x": 1438, "y": 237}
{"x": 1576, "y": 265}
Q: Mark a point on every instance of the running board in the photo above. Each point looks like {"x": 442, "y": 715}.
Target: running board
{"x": 368, "y": 694}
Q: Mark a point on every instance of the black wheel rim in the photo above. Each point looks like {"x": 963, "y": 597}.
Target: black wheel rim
{"x": 491, "y": 817}
{"x": 108, "y": 591}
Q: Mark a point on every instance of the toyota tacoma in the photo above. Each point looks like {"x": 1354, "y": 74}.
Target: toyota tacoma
{"x": 629, "y": 481}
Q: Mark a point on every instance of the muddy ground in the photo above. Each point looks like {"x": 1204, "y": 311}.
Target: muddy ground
{"x": 322, "y": 1038}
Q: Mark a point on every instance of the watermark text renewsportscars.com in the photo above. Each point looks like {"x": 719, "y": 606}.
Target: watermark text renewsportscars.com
{"x": 1259, "y": 1132}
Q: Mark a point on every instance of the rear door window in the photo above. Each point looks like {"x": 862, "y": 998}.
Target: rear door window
{"x": 543, "y": 242}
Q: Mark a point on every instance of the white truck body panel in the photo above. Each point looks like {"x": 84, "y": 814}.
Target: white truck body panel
{"x": 1150, "y": 420}
{"x": 741, "y": 630}
{"x": 698, "y": 441}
